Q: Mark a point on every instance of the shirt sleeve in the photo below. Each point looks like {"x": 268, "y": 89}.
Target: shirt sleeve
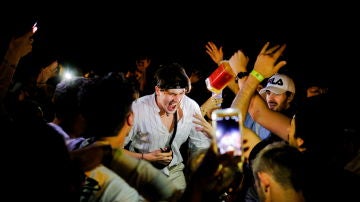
{"x": 146, "y": 179}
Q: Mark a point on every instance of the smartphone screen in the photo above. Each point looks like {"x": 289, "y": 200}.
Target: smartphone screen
{"x": 228, "y": 136}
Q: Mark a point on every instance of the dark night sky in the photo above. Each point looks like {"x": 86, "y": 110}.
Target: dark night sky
{"x": 107, "y": 39}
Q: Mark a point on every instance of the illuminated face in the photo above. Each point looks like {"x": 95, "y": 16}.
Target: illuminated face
{"x": 143, "y": 64}
{"x": 168, "y": 100}
{"x": 276, "y": 102}
{"x": 314, "y": 90}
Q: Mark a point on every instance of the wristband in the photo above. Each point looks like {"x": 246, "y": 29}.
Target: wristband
{"x": 142, "y": 155}
{"x": 257, "y": 75}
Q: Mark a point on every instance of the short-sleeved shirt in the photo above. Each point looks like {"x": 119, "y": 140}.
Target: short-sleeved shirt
{"x": 262, "y": 132}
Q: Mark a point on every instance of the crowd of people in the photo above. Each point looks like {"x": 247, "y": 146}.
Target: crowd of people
{"x": 142, "y": 135}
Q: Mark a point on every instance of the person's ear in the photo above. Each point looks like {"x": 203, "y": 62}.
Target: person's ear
{"x": 130, "y": 119}
{"x": 157, "y": 90}
{"x": 290, "y": 97}
{"x": 299, "y": 141}
{"x": 264, "y": 180}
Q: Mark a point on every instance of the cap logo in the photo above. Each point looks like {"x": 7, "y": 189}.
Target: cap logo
{"x": 274, "y": 82}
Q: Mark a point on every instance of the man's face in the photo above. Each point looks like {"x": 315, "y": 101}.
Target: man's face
{"x": 314, "y": 90}
{"x": 169, "y": 100}
{"x": 143, "y": 64}
{"x": 276, "y": 102}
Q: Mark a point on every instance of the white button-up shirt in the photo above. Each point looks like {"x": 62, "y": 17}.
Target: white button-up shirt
{"x": 149, "y": 133}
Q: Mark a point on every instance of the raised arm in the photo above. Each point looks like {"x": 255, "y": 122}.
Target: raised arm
{"x": 257, "y": 107}
{"x": 18, "y": 48}
{"x": 265, "y": 66}
{"x": 275, "y": 122}
{"x": 215, "y": 53}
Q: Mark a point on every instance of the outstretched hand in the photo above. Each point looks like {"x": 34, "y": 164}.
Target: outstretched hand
{"x": 265, "y": 63}
{"x": 20, "y": 46}
{"x": 210, "y": 105}
{"x": 204, "y": 126}
{"x": 47, "y": 73}
{"x": 214, "y": 52}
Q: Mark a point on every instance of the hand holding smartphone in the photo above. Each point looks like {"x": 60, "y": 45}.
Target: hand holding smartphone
{"x": 34, "y": 27}
{"x": 227, "y": 130}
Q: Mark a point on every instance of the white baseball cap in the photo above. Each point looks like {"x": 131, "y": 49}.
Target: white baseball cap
{"x": 278, "y": 84}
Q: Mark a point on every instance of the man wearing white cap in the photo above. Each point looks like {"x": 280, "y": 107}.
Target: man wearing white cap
{"x": 280, "y": 92}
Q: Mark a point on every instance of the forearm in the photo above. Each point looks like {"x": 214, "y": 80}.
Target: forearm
{"x": 12, "y": 57}
{"x": 275, "y": 122}
{"x": 233, "y": 86}
{"x": 7, "y": 71}
{"x": 243, "y": 97}
{"x": 134, "y": 154}
{"x": 149, "y": 181}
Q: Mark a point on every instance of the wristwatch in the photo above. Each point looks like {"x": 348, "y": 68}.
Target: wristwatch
{"x": 241, "y": 75}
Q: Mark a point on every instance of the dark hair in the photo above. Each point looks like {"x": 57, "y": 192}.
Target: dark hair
{"x": 104, "y": 104}
{"x": 172, "y": 76}
{"x": 65, "y": 97}
{"x": 284, "y": 162}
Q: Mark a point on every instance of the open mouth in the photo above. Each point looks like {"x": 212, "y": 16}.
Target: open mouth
{"x": 172, "y": 107}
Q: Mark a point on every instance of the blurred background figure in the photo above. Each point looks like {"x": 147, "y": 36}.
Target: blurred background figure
{"x": 314, "y": 89}
{"x": 142, "y": 74}
{"x": 198, "y": 92}
{"x": 314, "y": 85}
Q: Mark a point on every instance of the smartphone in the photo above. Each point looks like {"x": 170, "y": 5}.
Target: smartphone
{"x": 227, "y": 130}
{"x": 34, "y": 27}
{"x": 24, "y": 26}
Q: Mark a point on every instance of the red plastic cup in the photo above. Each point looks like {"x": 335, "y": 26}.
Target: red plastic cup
{"x": 219, "y": 78}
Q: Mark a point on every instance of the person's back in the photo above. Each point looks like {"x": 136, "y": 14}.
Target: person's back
{"x": 101, "y": 183}
{"x": 51, "y": 168}
{"x": 320, "y": 129}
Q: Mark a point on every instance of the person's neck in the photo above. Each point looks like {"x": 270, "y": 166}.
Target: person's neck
{"x": 164, "y": 113}
{"x": 278, "y": 193}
